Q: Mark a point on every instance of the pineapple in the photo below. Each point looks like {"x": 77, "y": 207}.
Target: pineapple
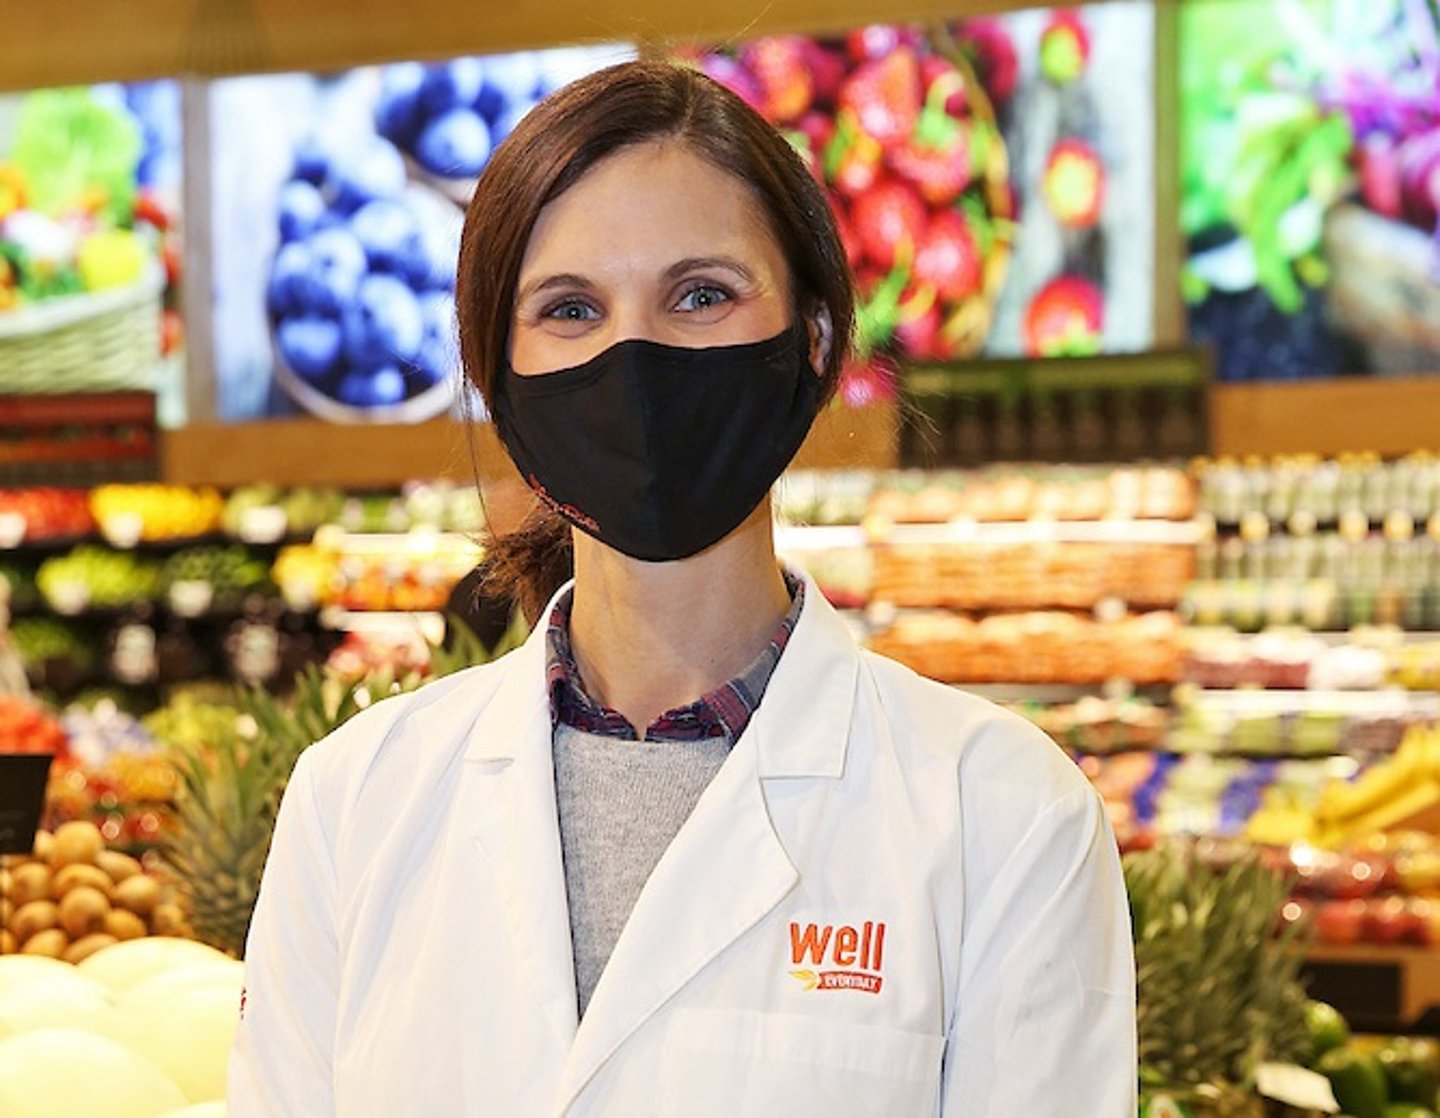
{"x": 1219, "y": 993}
{"x": 230, "y": 786}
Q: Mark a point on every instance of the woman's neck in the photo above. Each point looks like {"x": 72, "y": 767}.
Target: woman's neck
{"x": 649, "y": 637}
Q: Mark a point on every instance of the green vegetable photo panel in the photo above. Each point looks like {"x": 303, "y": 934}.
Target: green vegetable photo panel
{"x": 89, "y": 249}
{"x": 1310, "y": 162}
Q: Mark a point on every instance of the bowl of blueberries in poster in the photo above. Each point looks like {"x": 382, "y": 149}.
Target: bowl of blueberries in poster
{"x": 446, "y": 118}
{"x": 361, "y": 292}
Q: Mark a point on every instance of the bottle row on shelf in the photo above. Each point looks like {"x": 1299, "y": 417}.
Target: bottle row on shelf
{"x": 1306, "y": 490}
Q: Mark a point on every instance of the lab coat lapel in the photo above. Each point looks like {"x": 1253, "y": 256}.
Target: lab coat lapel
{"x": 727, "y": 868}
{"x": 509, "y": 801}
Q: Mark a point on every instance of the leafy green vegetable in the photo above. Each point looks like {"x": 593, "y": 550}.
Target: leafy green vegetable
{"x": 69, "y": 145}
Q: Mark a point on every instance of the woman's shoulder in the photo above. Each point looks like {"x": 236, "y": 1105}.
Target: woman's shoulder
{"x": 998, "y": 758}
{"x": 404, "y": 738}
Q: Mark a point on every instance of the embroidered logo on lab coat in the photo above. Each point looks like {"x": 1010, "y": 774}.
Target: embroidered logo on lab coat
{"x": 839, "y": 957}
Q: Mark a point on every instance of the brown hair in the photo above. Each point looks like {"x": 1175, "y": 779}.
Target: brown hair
{"x": 547, "y": 153}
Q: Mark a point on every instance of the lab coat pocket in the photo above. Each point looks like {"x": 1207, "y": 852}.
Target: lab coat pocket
{"x": 738, "y": 1063}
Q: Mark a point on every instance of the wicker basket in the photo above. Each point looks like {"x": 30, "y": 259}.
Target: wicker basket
{"x": 105, "y": 341}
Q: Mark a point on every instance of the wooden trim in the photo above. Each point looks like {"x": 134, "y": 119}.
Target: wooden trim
{"x": 131, "y": 39}
{"x": 309, "y": 452}
{"x": 1390, "y": 416}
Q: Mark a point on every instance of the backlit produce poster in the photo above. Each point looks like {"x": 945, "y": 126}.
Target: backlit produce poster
{"x": 90, "y": 182}
{"x": 337, "y": 204}
{"x": 993, "y": 178}
{"x": 1311, "y": 185}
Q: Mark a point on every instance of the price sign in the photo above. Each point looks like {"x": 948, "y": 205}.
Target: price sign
{"x": 263, "y": 524}
{"x": 123, "y": 529}
{"x": 12, "y": 529}
{"x": 133, "y": 659}
{"x": 191, "y": 597}
{"x": 70, "y": 597}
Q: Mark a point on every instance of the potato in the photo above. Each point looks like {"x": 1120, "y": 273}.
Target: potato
{"x": 168, "y": 920}
{"x": 118, "y": 866}
{"x": 8, "y": 943}
{"x": 37, "y": 916}
{"x": 30, "y": 882}
{"x": 140, "y": 894}
{"x": 82, "y": 949}
{"x": 76, "y": 842}
{"x": 44, "y": 845}
{"x": 124, "y": 925}
{"x": 51, "y": 942}
{"x": 69, "y": 877}
{"x": 82, "y": 911}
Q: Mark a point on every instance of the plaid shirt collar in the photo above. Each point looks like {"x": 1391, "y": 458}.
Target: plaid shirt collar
{"x": 724, "y": 712}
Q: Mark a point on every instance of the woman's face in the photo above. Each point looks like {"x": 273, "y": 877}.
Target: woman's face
{"x": 652, "y": 242}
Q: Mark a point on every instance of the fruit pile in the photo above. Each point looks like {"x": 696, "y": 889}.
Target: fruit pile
{"x": 1096, "y": 725}
{"x": 49, "y": 513}
{"x": 1376, "y": 1077}
{"x": 1008, "y": 495}
{"x": 72, "y": 896}
{"x": 96, "y": 577}
{"x": 903, "y": 136}
{"x": 19, "y": 588}
{"x": 26, "y": 728}
{"x": 1034, "y": 647}
{"x": 292, "y": 512}
{"x": 155, "y": 512}
{"x": 306, "y": 575}
{"x": 142, "y": 1027}
{"x": 228, "y": 572}
{"x": 48, "y": 647}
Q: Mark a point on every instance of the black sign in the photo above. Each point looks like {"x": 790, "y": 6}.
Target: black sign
{"x": 22, "y": 795}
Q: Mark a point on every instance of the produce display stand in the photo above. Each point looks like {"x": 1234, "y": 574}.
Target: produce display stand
{"x": 1377, "y": 987}
{"x": 78, "y": 439}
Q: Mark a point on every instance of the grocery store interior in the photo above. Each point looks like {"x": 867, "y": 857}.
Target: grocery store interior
{"x": 1140, "y": 438}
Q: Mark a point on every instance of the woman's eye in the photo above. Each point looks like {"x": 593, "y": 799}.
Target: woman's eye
{"x": 702, "y": 297}
{"x": 571, "y": 310}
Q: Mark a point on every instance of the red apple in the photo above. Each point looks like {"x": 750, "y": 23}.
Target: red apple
{"x": 1340, "y": 922}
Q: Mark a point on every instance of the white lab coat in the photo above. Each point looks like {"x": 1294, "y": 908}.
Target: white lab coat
{"x": 410, "y": 952}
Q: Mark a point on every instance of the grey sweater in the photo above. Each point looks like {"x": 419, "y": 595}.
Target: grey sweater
{"x": 621, "y": 803}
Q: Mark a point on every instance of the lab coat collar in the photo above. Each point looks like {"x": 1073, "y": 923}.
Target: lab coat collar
{"x": 801, "y": 727}
{"x": 726, "y": 869}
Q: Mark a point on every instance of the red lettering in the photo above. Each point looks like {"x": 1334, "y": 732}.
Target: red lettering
{"x": 845, "y": 941}
{"x": 865, "y": 946}
{"x": 811, "y": 942}
{"x": 879, "y": 947}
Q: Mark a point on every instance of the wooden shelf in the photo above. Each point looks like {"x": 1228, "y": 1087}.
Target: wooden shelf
{"x": 311, "y": 452}
{"x": 1390, "y": 416}
{"x": 208, "y": 37}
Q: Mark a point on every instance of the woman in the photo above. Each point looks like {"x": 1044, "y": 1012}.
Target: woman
{"x": 561, "y": 884}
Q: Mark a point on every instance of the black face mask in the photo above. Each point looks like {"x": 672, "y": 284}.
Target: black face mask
{"x": 656, "y": 450}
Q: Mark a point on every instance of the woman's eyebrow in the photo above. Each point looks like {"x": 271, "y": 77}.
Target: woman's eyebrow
{"x": 549, "y": 283}
{"x": 699, "y": 263}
